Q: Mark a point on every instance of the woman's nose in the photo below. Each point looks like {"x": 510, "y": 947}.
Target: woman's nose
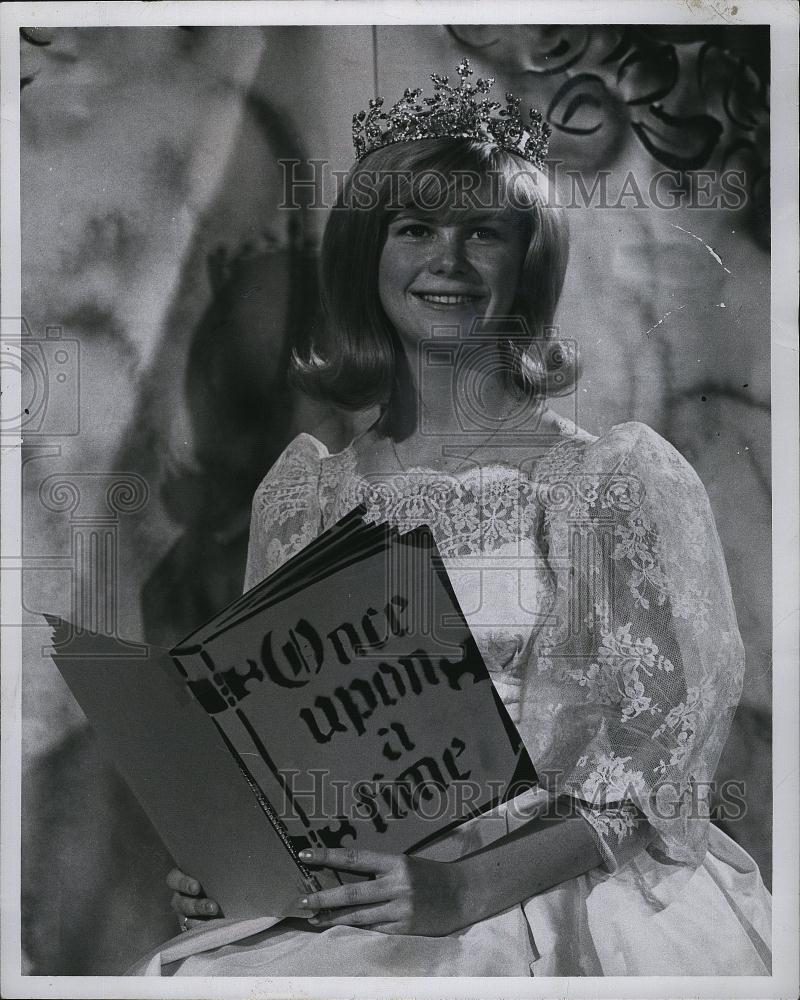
{"x": 449, "y": 257}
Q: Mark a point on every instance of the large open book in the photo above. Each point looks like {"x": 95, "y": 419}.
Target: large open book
{"x": 340, "y": 702}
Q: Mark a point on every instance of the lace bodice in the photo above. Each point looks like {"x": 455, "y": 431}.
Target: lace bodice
{"x": 595, "y": 587}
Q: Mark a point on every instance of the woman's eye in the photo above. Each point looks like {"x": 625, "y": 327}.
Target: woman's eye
{"x": 414, "y": 229}
{"x": 485, "y": 233}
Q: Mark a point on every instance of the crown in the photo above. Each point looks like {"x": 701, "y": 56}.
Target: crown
{"x": 461, "y": 112}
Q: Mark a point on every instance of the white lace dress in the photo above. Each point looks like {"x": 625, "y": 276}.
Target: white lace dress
{"x": 593, "y": 580}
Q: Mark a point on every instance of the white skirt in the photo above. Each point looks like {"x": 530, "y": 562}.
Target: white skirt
{"x": 649, "y": 919}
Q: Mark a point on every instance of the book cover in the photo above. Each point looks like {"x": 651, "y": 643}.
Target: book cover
{"x": 341, "y": 702}
{"x": 182, "y": 771}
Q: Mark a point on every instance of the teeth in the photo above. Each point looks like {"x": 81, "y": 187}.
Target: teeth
{"x": 449, "y": 300}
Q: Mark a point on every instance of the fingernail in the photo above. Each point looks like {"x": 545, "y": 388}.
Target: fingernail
{"x": 210, "y": 907}
{"x": 303, "y": 902}
{"x": 306, "y": 854}
{"x": 194, "y": 887}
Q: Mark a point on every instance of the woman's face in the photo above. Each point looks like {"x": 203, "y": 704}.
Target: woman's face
{"x": 434, "y": 271}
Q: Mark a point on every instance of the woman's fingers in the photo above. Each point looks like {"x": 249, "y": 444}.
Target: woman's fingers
{"x": 353, "y": 894}
{"x": 351, "y": 858}
{"x": 181, "y": 882}
{"x": 374, "y": 904}
{"x": 357, "y": 916}
{"x": 187, "y": 906}
{"x": 188, "y": 900}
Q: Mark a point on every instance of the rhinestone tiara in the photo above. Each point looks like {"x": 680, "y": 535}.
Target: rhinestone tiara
{"x": 461, "y": 112}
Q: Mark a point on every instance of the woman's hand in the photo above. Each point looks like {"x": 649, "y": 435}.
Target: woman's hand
{"x": 407, "y": 896}
{"x": 188, "y": 899}
{"x": 417, "y": 896}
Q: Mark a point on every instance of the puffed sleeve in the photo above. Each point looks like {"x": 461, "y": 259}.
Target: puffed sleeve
{"x": 634, "y": 677}
{"x": 286, "y": 512}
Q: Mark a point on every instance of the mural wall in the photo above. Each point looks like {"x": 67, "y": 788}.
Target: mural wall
{"x": 166, "y": 284}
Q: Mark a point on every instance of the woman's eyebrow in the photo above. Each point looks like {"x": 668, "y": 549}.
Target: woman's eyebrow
{"x": 411, "y": 213}
{"x": 484, "y": 217}
{"x": 449, "y": 218}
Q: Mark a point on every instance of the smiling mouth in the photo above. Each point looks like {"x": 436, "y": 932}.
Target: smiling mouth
{"x": 447, "y": 300}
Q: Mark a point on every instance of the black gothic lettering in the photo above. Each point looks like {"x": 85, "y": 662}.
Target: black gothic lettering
{"x": 389, "y": 752}
{"x": 395, "y": 607}
{"x": 237, "y": 683}
{"x": 373, "y": 639}
{"x": 295, "y": 654}
{"x": 427, "y": 669}
{"x": 469, "y": 664}
{"x": 208, "y": 696}
{"x": 456, "y": 748}
{"x": 354, "y": 713}
{"x": 413, "y": 783}
{"x": 334, "y": 836}
{"x": 353, "y": 640}
{"x": 394, "y": 673}
{"x": 334, "y": 725}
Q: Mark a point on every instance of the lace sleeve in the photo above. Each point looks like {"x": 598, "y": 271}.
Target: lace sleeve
{"x": 621, "y": 829}
{"x": 285, "y": 513}
{"x": 637, "y": 673}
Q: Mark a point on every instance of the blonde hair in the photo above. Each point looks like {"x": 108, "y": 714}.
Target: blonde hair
{"x": 353, "y": 363}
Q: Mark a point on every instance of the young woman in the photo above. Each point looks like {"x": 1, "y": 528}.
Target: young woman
{"x": 589, "y": 570}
